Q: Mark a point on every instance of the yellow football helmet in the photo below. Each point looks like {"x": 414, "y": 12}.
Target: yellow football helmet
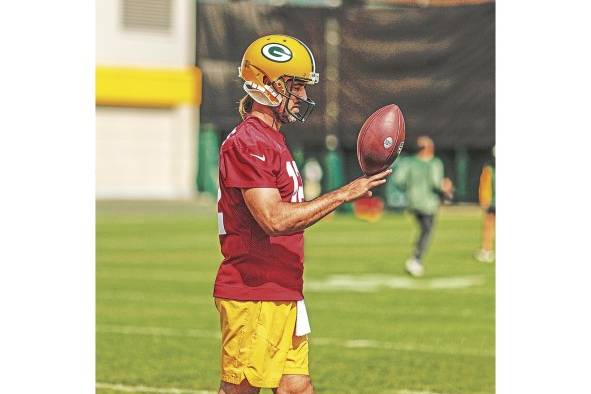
{"x": 272, "y": 60}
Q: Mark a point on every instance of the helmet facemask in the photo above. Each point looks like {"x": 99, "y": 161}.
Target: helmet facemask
{"x": 304, "y": 106}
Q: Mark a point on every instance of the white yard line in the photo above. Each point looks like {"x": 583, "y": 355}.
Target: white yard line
{"x": 145, "y": 389}
{"x": 376, "y": 282}
{"x": 402, "y": 310}
{"x": 319, "y": 341}
{"x": 381, "y": 345}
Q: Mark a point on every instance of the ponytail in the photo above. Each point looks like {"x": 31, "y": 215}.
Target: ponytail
{"x": 245, "y": 106}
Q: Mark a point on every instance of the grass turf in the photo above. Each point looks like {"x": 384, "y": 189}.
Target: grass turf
{"x": 157, "y": 326}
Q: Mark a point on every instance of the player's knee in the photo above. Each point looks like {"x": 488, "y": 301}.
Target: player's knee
{"x": 296, "y": 384}
{"x": 242, "y": 388}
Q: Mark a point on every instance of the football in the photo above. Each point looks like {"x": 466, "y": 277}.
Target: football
{"x": 380, "y": 139}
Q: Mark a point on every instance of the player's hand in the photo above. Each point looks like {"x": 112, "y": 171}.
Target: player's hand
{"x": 361, "y": 187}
{"x": 447, "y": 187}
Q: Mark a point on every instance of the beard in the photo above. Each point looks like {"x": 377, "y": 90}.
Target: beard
{"x": 291, "y": 118}
{"x": 285, "y": 117}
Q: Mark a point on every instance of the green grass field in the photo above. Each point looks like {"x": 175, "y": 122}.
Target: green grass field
{"x": 374, "y": 329}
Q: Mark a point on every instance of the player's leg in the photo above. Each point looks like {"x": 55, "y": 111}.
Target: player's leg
{"x": 238, "y": 322}
{"x": 486, "y": 252}
{"x": 426, "y": 224}
{"x": 417, "y": 215}
{"x": 295, "y": 384}
{"x": 242, "y": 388}
{"x": 489, "y": 230}
{"x": 414, "y": 266}
{"x": 296, "y": 375}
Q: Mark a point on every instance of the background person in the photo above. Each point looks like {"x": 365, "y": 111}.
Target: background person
{"x": 486, "y": 196}
{"x": 422, "y": 179}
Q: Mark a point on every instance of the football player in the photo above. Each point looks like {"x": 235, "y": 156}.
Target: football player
{"x": 262, "y": 216}
{"x": 486, "y": 196}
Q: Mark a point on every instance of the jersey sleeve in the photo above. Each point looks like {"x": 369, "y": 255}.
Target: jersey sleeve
{"x": 241, "y": 168}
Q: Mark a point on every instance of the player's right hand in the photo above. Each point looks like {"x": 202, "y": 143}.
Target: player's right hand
{"x": 361, "y": 187}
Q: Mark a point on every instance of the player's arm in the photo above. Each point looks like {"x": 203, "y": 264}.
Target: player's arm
{"x": 277, "y": 217}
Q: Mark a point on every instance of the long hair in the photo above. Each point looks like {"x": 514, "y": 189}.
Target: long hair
{"x": 245, "y": 106}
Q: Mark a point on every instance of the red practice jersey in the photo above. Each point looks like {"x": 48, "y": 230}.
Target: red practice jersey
{"x": 256, "y": 266}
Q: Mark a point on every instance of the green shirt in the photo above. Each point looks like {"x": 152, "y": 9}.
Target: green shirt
{"x": 421, "y": 180}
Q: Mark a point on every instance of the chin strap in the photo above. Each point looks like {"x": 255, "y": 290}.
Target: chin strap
{"x": 260, "y": 93}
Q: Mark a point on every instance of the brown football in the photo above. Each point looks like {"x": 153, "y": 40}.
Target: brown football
{"x": 380, "y": 139}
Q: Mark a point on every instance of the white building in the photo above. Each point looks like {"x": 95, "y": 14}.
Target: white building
{"x": 147, "y": 95}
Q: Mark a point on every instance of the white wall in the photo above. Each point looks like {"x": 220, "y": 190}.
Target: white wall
{"x": 145, "y": 153}
{"x": 118, "y": 46}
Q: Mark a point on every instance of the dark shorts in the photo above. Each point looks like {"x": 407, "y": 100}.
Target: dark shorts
{"x": 491, "y": 210}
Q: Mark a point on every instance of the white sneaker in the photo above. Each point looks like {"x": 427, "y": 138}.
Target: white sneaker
{"x": 485, "y": 256}
{"x": 414, "y": 267}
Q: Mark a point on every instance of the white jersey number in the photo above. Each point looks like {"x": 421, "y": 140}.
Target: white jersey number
{"x": 221, "y": 228}
{"x": 298, "y": 191}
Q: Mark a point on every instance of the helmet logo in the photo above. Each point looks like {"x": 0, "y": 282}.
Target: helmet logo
{"x": 277, "y": 52}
